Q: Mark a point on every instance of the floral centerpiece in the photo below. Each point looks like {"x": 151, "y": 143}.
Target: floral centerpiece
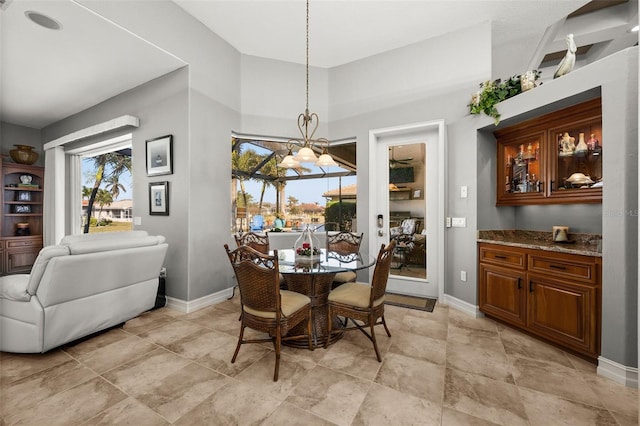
{"x": 307, "y": 247}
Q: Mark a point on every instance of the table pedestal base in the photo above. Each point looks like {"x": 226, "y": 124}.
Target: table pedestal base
{"x": 317, "y": 287}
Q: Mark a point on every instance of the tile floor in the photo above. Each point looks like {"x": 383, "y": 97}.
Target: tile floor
{"x": 440, "y": 368}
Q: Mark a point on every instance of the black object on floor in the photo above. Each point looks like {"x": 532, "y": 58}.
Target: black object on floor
{"x": 412, "y": 302}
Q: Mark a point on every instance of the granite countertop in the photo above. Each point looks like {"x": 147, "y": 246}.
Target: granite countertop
{"x": 583, "y": 244}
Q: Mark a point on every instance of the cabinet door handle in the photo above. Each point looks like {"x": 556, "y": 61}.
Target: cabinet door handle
{"x": 552, "y": 185}
{"x": 498, "y": 256}
{"x": 530, "y": 286}
{"x": 519, "y": 283}
{"x": 540, "y": 186}
{"x": 563, "y": 268}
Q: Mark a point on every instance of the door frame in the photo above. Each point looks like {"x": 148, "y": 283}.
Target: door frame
{"x": 378, "y": 188}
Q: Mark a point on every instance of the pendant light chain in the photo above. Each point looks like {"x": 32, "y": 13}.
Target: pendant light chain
{"x": 307, "y": 106}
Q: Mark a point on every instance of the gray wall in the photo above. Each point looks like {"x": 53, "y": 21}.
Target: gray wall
{"x": 12, "y": 134}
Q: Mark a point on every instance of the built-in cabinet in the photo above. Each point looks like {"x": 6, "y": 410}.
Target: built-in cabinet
{"x": 552, "y": 159}
{"x": 556, "y": 296}
{"x": 22, "y": 209}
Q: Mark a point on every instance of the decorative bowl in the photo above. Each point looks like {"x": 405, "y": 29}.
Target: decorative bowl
{"x": 23, "y": 154}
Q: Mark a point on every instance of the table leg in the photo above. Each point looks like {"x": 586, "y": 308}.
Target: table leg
{"x": 317, "y": 287}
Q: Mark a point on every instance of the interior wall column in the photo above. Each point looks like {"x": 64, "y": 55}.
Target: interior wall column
{"x": 54, "y": 196}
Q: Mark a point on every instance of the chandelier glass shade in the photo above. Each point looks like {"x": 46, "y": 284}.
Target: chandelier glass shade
{"x": 307, "y": 122}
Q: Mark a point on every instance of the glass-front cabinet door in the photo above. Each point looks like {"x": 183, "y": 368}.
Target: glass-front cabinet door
{"x": 522, "y": 162}
{"x": 552, "y": 159}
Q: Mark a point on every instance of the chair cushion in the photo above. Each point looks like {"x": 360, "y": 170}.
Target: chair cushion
{"x": 345, "y": 277}
{"x": 354, "y": 294}
{"x": 14, "y": 287}
{"x": 291, "y": 302}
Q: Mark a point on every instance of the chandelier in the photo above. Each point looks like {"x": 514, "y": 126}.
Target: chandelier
{"x": 306, "y": 120}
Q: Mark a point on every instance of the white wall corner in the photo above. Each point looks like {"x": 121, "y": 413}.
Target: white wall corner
{"x": 619, "y": 373}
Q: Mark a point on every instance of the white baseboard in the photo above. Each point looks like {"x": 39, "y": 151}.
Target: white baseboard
{"x": 461, "y": 305}
{"x": 619, "y": 373}
{"x": 194, "y": 305}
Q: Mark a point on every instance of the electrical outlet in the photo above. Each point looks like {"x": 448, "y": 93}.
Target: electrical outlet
{"x": 448, "y": 222}
{"x": 463, "y": 276}
{"x": 463, "y": 191}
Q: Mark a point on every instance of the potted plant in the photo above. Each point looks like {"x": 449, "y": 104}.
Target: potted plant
{"x": 492, "y": 92}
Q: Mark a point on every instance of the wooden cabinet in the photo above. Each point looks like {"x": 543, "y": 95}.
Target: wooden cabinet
{"x": 21, "y": 227}
{"x": 555, "y": 296}
{"x": 552, "y": 159}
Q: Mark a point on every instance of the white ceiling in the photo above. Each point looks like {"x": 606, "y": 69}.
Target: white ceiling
{"x": 49, "y": 75}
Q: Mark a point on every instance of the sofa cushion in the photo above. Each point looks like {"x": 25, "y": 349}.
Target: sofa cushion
{"x": 40, "y": 265}
{"x": 97, "y": 246}
{"x": 14, "y": 287}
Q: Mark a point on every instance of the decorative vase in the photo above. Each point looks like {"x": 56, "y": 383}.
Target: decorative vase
{"x": 23, "y": 154}
{"x": 22, "y": 229}
{"x": 581, "y": 148}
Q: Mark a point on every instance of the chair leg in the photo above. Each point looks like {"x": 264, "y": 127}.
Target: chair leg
{"x": 329, "y": 327}
{"x": 277, "y": 346}
{"x": 384, "y": 323}
{"x": 310, "y": 331}
{"x": 235, "y": 354}
{"x": 373, "y": 337}
{"x": 233, "y": 292}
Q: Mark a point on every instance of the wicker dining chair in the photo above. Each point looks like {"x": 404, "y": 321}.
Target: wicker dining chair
{"x": 344, "y": 243}
{"x": 259, "y": 242}
{"x": 264, "y": 306}
{"x": 363, "y": 302}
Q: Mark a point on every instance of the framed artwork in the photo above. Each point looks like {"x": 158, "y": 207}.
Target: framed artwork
{"x": 159, "y": 198}
{"x": 23, "y": 196}
{"x": 159, "y": 161}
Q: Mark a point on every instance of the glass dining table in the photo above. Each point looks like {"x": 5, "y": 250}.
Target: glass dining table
{"x": 314, "y": 278}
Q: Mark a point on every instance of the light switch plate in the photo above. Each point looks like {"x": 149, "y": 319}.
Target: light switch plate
{"x": 463, "y": 275}
{"x": 448, "y": 222}
{"x": 463, "y": 191}
{"x": 459, "y": 222}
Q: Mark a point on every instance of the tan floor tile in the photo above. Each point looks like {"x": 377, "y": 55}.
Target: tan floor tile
{"x": 215, "y": 350}
{"x": 425, "y": 327}
{"x": 98, "y": 341}
{"x": 260, "y": 374}
{"x": 384, "y": 342}
{"x": 72, "y": 406}
{"x": 554, "y": 379}
{"x": 171, "y": 332}
{"x": 18, "y": 366}
{"x": 615, "y": 396}
{"x": 452, "y": 417}
{"x": 440, "y": 313}
{"x": 479, "y": 338}
{"x": 289, "y": 415}
{"x": 413, "y": 376}
{"x": 351, "y": 359}
{"x": 418, "y": 346}
{"x": 127, "y": 412}
{"x": 147, "y": 321}
{"x": 220, "y": 320}
{"x": 480, "y": 396}
{"x": 142, "y": 372}
{"x": 521, "y": 345}
{"x": 385, "y": 406}
{"x": 545, "y": 409}
{"x": 625, "y": 420}
{"x": 179, "y": 392}
{"x": 234, "y": 404}
{"x": 116, "y": 353}
{"x": 170, "y": 312}
{"x": 583, "y": 365}
{"x": 461, "y": 319}
{"x": 479, "y": 360}
{"x": 42, "y": 385}
{"x": 330, "y": 394}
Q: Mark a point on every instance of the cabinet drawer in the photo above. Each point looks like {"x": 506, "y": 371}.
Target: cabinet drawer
{"x": 504, "y": 256}
{"x": 564, "y": 266}
{"x": 24, "y": 243}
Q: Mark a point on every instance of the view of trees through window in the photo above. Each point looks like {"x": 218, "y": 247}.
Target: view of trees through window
{"x": 106, "y": 192}
{"x": 276, "y": 199}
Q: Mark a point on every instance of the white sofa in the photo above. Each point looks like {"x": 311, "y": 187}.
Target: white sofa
{"x": 85, "y": 284}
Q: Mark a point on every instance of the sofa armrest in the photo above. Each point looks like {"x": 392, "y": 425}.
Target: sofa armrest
{"x": 14, "y": 287}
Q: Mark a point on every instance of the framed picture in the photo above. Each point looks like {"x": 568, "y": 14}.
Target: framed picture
{"x": 159, "y": 161}
{"x": 23, "y": 196}
{"x": 159, "y": 198}
{"x": 20, "y": 208}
